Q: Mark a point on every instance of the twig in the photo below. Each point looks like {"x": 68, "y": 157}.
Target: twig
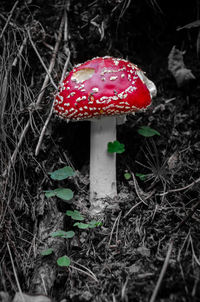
{"x": 45, "y": 83}
{"x": 44, "y": 285}
{"x": 40, "y": 58}
{"x": 123, "y": 291}
{"x": 3, "y": 97}
{"x": 186, "y": 218}
{"x": 67, "y": 52}
{"x": 136, "y": 189}
{"x": 9, "y": 17}
{"x": 88, "y": 272}
{"x": 162, "y": 273}
{"x": 169, "y": 100}
{"x": 117, "y": 227}
{"x": 181, "y": 189}
{"x": 37, "y": 149}
{"x": 113, "y": 228}
{"x": 11, "y": 23}
{"x": 15, "y": 273}
{"x": 19, "y": 52}
{"x": 133, "y": 207}
{"x": 193, "y": 252}
{"x": 139, "y": 203}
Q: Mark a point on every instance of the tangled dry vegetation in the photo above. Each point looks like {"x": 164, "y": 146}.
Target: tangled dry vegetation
{"x": 150, "y": 249}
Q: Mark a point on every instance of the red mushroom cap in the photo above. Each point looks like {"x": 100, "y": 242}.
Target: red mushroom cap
{"x": 101, "y": 87}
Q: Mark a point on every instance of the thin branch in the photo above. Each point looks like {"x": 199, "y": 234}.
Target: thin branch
{"x": 37, "y": 149}
{"x": 187, "y": 217}
{"x": 15, "y": 273}
{"x": 182, "y": 189}
{"x": 137, "y": 188}
{"x": 139, "y": 203}
{"x": 113, "y": 228}
{"x": 9, "y": 17}
{"x": 131, "y": 209}
{"x": 162, "y": 273}
{"x": 40, "y": 58}
{"x": 20, "y": 52}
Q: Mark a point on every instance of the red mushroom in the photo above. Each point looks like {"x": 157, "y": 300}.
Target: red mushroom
{"x": 99, "y": 90}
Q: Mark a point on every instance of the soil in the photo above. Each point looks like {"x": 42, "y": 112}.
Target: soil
{"x": 148, "y": 249}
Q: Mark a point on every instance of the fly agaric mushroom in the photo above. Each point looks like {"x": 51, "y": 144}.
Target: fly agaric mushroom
{"x": 100, "y": 90}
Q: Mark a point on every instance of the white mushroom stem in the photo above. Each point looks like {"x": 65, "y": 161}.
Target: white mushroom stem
{"x": 102, "y": 163}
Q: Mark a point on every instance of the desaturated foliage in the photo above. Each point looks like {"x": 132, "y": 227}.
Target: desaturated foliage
{"x": 146, "y": 249}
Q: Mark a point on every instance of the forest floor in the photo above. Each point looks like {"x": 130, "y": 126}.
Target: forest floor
{"x": 146, "y": 250}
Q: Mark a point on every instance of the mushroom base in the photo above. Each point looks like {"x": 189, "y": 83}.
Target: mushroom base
{"x": 102, "y": 163}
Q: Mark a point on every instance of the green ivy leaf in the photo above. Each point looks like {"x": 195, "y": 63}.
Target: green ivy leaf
{"x": 93, "y": 224}
{"x": 81, "y": 225}
{"x": 65, "y": 194}
{"x": 69, "y": 234}
{"x": 147, "y": 131}
{"x": 127, "y": 176}
{"x": 115, "y": 147}
{"x": 62, "y": 173}
{"x": 63, "y": 234}
{"x": 75, "y": 215}
{"x": 47, "y": 252}
{"x": 50, "y": 193}
{"x": 141, "y": 176}
{"x": 63, "y": 261}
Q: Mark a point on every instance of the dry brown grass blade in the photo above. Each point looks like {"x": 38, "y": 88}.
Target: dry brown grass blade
{"x": 183, "y": 188}
{"x": 15, "y": 273}
{"x": 41, "y": 60}
{"x": 84, "y": 270}
{"x": 162, "y": 273}
{"x": 46, "y": 80}
{"x": 9, "y": 18}
{"x": 194, "y": 208}
{"x": 20, "y": 52}
{"x": 68, "y": 54}
{"x": 115, "y": 225}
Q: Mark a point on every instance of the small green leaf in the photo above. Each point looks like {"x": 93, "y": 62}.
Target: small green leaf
{"x": 81, "y": 225}
{"x": 58, "y": 233}
{"x": 93, "y": 224}
{"x": 62, "y": 173}
{"x": 75, "y": 215}
{"x": 65, "y": 194}
{"x": 47, "y": 252}
{"x": 115, "y": 147}
{"x": 50, "y": 193}
{"x": 63, "y": 261}
{"x": 147, "y": 131}
{"x": 63, "y": 234}
{"x": 141, "y": 176}
{"x": 127, "y": 176}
